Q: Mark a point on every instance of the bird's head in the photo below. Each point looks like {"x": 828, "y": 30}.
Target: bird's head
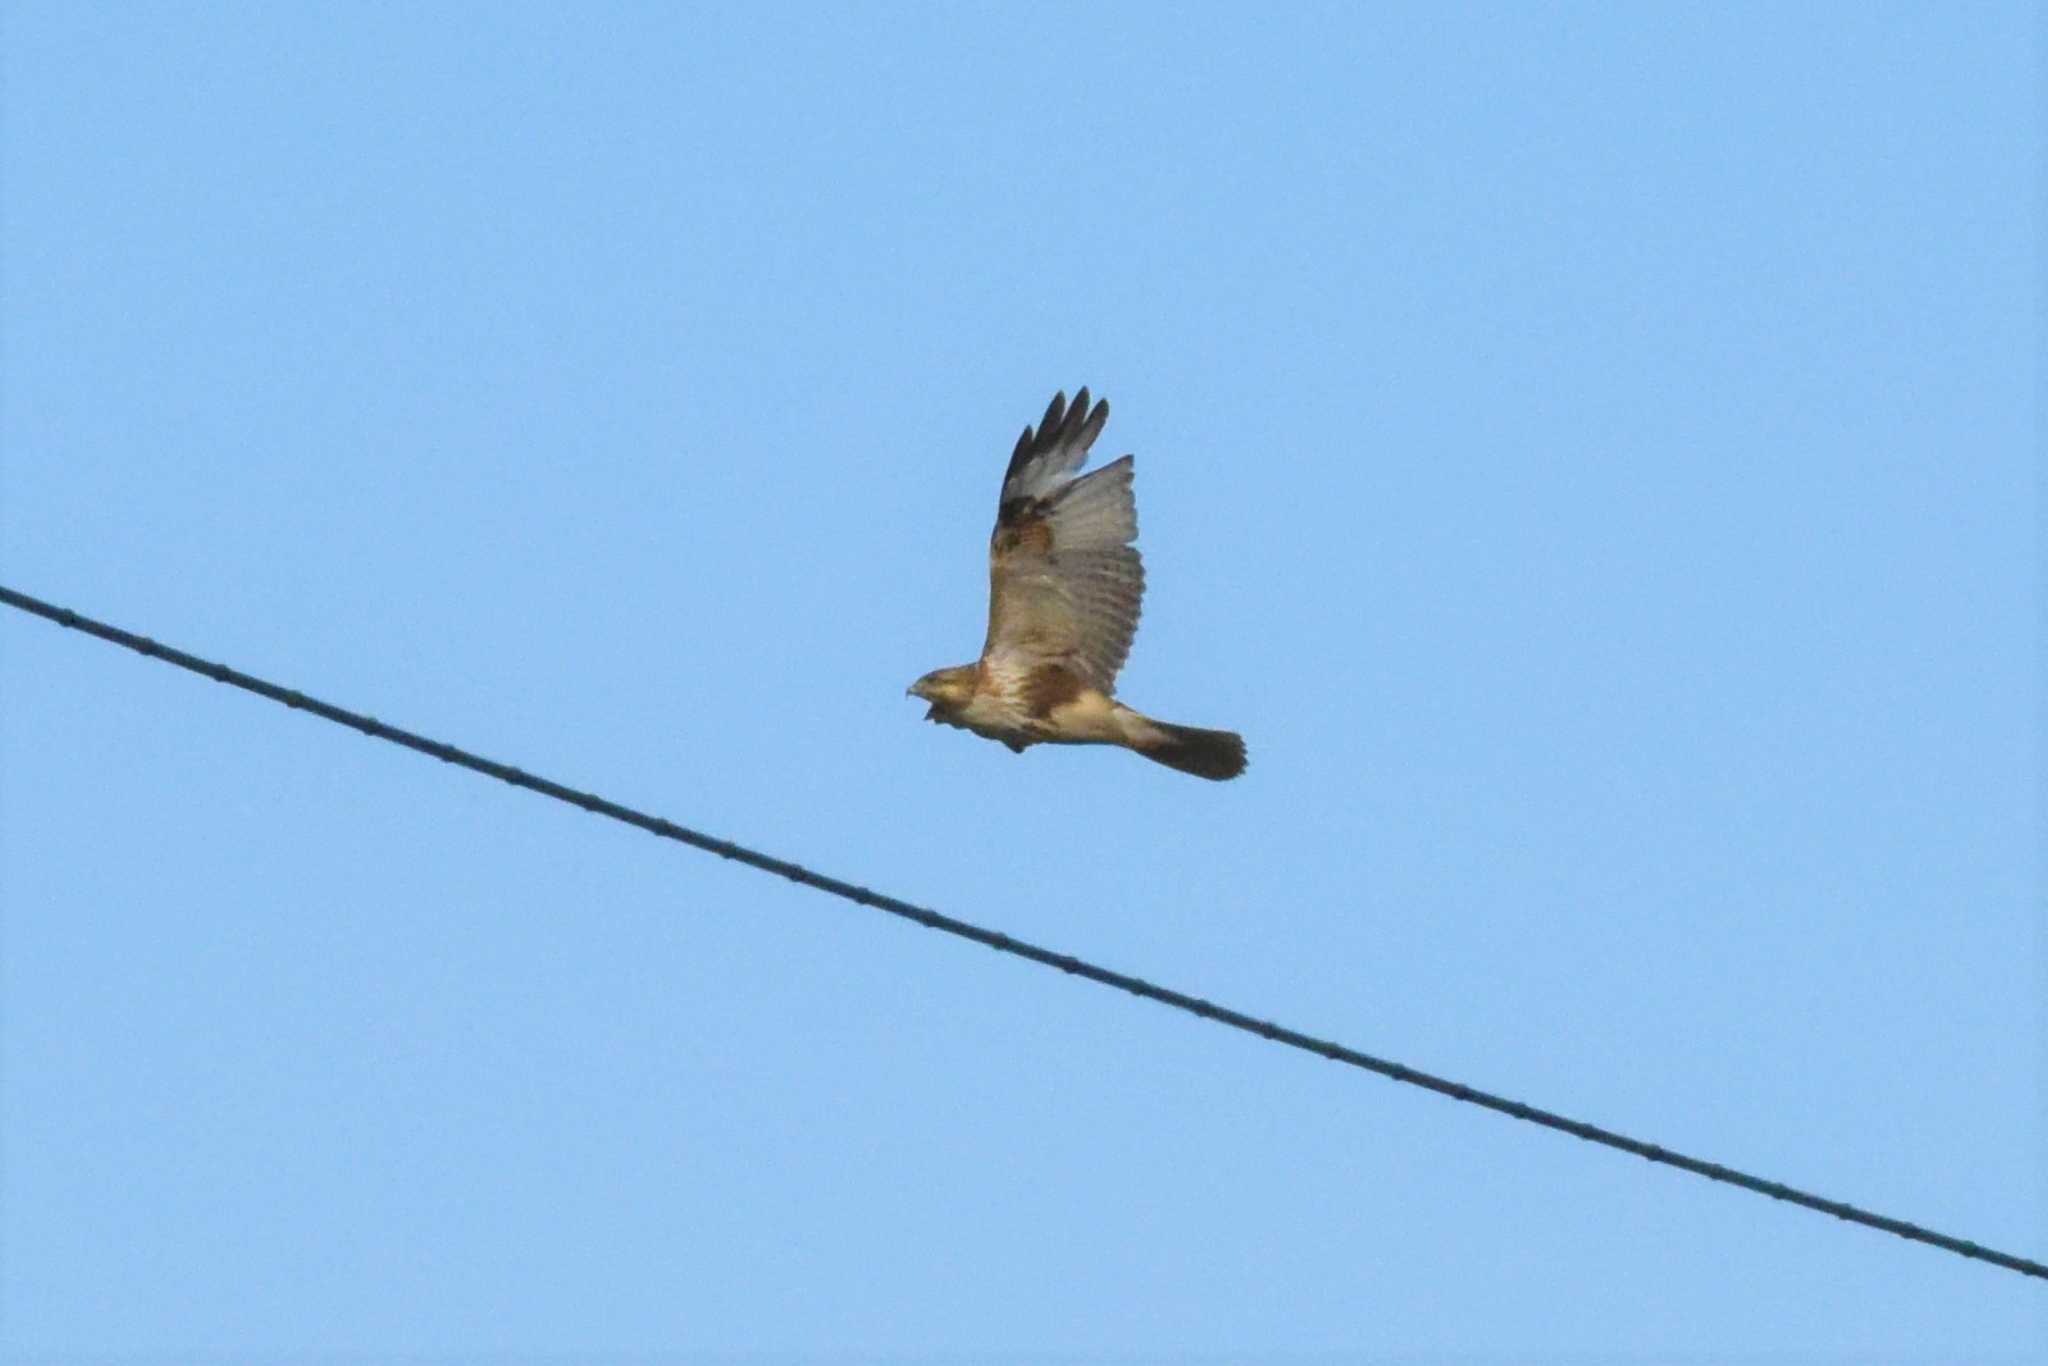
{"x": 945, "y": 689}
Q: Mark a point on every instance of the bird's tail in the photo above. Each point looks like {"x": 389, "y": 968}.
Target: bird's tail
{"x": 1216, "y": 754}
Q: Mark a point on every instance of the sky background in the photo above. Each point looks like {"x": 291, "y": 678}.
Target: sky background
{"x": 1588, "y": 450}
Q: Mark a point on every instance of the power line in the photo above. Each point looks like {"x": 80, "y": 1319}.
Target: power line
{"x": 1067, "y": 963}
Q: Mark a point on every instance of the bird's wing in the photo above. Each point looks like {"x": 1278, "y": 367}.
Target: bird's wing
{"x": 1064, "y": 580}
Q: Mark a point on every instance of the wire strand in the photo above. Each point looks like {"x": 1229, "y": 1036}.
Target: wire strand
{"x": 1003, "y": 943}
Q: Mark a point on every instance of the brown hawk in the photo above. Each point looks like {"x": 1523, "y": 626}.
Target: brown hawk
{"x": 1064, "y": 587}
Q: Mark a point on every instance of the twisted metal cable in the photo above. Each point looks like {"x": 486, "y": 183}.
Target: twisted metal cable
{"x": 995, "y": 939}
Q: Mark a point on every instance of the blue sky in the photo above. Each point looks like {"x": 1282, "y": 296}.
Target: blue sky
{"x": 1588, "y": 450}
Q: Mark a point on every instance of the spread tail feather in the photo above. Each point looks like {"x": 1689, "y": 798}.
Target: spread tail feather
{"x": 1216, "y": 754}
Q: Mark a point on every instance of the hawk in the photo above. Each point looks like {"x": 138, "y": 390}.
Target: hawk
{"x": 1064, "y": 584}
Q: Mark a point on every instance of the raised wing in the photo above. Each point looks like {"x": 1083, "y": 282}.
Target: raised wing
{"x": 1065, "y": 583}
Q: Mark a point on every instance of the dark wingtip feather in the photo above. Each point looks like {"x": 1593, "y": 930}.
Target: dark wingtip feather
{"x": 1092, "y": 428}
{"x": 1073, "y": 427}
{"x": 1054, "y": 411}
{"x": 1076, "y": 416}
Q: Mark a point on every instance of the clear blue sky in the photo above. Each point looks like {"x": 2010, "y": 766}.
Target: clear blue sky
{"x": 1586, "y": 449}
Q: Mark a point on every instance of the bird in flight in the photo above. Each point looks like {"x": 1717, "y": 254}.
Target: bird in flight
{"x": 1064, "y": 587}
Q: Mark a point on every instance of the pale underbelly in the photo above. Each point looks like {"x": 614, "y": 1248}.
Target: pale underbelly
{"x": 1090, "y": 719}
